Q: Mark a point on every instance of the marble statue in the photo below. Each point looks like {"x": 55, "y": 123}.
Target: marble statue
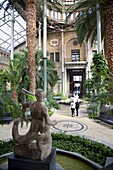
{"x": 37, "y": 142}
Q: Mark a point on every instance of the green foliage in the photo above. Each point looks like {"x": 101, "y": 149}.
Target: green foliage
{"x": 57, "y": 94}
{"x": 13, "y": 76}
{"x": 86, "y": 20}
{"x": 14, "y": 72}
{"x": 52, "y": 77}
{"x": 22, "y": 58}
{"x": 50, "y": 112}
{"x": 94, "y": 151}
{"x": 8, "y": 105}
{"x": 17, "y": 75}
{"x": 6, "y": 146}
{"x": 6, "y": 102}
{"x": 99, "y": 68}
{"x": 98, "y": 85}
{"x": 52, "y": 103}
{"x": 64, "y": 97}
{"x": 30, "y": 97}
{"x": 95, "y": 109}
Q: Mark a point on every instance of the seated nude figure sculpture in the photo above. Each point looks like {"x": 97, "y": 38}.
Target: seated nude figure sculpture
{"x": 38, "y": 137}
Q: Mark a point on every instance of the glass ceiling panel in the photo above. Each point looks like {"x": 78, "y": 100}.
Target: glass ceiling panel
{"x": 6, "y": 26}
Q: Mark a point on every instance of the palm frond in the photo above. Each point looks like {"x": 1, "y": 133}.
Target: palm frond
{"x": 56, "y": 6}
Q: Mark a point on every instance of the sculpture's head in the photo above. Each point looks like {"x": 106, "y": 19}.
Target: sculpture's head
{"x": 39, "y": 94}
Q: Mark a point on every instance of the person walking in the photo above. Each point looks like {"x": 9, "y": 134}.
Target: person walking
{"x": 72, "y": 108}
{"x": 77, "y": 105}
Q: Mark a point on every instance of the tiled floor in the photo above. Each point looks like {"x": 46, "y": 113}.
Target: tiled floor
{"x": 80, "y": 125}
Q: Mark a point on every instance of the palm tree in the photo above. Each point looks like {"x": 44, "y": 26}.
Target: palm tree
{"x": 13, "y": 75}
{"x": 9, "y": 82}
{"x": 21, "y": 59}
{"x": 52, "y": 77}
{"x": 85, "y": 24}
{"x": 30, "y": 10}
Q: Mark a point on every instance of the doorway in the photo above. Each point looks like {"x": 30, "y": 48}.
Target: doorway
{"x": 77, "y": 77}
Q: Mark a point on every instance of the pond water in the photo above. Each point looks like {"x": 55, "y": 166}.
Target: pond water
{"x": 4, "y": 163}
{"x": 68, "y": 162}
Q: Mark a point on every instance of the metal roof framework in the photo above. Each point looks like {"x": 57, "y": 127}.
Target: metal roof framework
{"x": 20, "y": 26}
{"x": 6, "y": 28}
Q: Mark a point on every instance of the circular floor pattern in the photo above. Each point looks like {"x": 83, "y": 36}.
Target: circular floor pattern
{"x": 70, "y": 126}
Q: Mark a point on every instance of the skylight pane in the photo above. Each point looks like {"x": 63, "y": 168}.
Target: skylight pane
{"x": 5, "y": 28}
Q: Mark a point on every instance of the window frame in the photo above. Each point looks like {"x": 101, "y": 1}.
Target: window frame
{"x": 74, "y": 55}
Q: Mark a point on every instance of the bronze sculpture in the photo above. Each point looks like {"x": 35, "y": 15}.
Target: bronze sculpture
{"x": 37, "y": 142}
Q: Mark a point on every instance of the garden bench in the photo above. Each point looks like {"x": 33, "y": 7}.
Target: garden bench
{"x": 6, "y": 118}
{"x": 106, "y": 117}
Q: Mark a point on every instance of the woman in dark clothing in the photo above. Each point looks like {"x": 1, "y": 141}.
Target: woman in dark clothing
{"x": 77, "y": 107}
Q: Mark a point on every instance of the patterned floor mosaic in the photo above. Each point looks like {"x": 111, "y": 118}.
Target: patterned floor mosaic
{"x": 70, "y": 126}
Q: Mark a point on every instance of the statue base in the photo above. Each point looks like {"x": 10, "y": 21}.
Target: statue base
{"x": 31, "y": 151}
{"x": 18, "y": 162}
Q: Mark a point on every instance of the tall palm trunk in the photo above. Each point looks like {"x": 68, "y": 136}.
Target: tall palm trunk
{"x": 30, "y": 10}
{"x": 108, "y": 42}
{"x": 15, "y": 96}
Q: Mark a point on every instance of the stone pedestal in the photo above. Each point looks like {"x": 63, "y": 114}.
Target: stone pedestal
{"x": 20, "y": 163}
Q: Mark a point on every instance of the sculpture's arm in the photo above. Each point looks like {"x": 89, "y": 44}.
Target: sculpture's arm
{"x": 47, "y": 119}
{"x": 24, "y": 103}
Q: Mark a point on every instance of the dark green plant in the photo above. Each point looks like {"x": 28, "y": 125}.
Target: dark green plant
{"x": 12, "y": 75}
{"x": 94, "y": 151}
{"x": 94, "y": 107}
{"x": 98, "y": 85}
{"x": 52, "y": 103}
{"x": 6, "y": 146}
{"x": 52, "y": 77}
{"x": 17, "y": 75}
{"x": 85, "y": 26}
{"x": 7, "y": 104}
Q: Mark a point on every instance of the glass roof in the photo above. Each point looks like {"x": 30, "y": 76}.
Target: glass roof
{"x": 6, "y": 28}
